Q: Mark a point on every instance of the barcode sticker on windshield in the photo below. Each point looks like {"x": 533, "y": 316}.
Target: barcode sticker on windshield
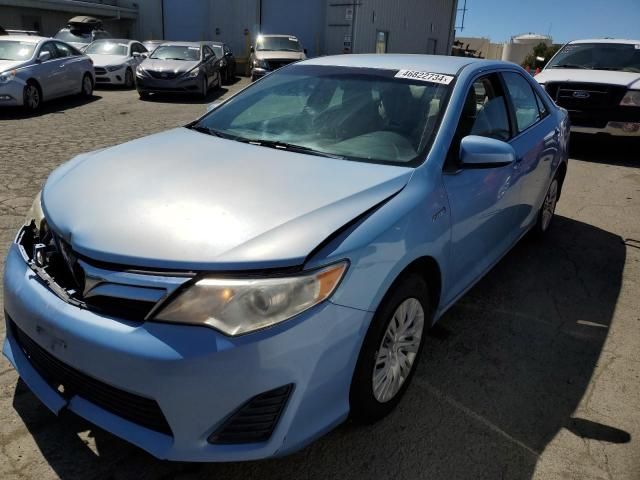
{"x": 425, "y": 76}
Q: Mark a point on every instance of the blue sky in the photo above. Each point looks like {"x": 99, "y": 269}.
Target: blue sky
{"x": 567, "y": 19}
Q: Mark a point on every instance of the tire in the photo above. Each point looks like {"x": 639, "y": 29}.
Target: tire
{"x": 205, "y": 87}
{"x": 143, "y": 95}
{"x": 86, "y": 89}
{"x": 224, "y": 76}
{"x": 368, "y": 398}
{"x": 128, "y": 79}
{"x": 548, "y": 209}
{"x": 32, "y": 96}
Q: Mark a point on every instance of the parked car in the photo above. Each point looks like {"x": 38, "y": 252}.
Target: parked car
{"x": 115, "y": 60}
{"x": 234, "y": 289}
{"x": 151, "y": 45}
{"x": 272, "y": 52}
{"x": 81, "y": 31}
{"x": 35, "y": 69}
{"x": 227, "y": 60}
{"x": 20, "y": 32}
{"x": 598, "y": 82}
{"x": 179, "y": 67}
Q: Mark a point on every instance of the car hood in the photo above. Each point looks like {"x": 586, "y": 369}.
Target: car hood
{"x": 625, "y": 79}
{"x": 279, "y": 55}
{"x": 185, "y": 200}
{"x": 11, "y": 64}
{"x": 100, "y": 60}
{"x": 177, "y": 66}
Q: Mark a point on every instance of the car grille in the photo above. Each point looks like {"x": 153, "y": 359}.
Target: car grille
{"x": 100, "y": 70}
{"x": 585, "y": 96}
{"x": 275, "y": 64}
{"x": 70, "y": 382}
{"x": 256, "y": 420}
{"x": 163, "y": 75}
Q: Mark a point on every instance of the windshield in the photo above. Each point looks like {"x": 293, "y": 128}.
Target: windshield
{"x": 15, "y": 50}
{"x": 288, "y": 44}
{"x": 598, "y": 56}
{"x": 73, "y": 36}
{"x": 107, "y": 48}
{"x": 217, "y": 49}
{"x": 176, "y": 52}
{"x": 352, "y": 113}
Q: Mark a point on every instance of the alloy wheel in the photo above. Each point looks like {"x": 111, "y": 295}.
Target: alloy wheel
{"x": 398, "y": 349}
{"x": 549, "y": 205}
{"x": 87, "y": 86}
{"x": 128, "y": 79}
{"x": 32, "y": 97}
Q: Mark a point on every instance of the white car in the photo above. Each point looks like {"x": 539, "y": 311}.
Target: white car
{"x": 598, "y": 82}
{"x": 115, "y": 60}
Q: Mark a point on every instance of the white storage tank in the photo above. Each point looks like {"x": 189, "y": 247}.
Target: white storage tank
{"x": 521, "y": 45}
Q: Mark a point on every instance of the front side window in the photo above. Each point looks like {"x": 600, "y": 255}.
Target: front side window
{"x": 218, "y": 51}
{"x": 287, "y": 44}
{"x": 523, "y": 99}
{"x": 65, "y": 50}
{"x": 176, "y": 52}
{"x": 15, "y": 50}
{"x": 107, "y": 48}
{"x": 599, "y": 56}
{"x": 353, "y": 113}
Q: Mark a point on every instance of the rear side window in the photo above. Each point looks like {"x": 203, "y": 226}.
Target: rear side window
{"x": 64, "y": 50}
{"x": 523, "y": 98}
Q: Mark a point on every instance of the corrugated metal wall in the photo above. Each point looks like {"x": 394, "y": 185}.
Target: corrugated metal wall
{"x": 228, "y": 21}
{"x": 412, "y": 26}
{"x": 186, "y": 20}
{"x": 304, "y": 19}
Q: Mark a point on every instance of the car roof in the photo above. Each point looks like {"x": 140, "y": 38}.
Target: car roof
{"x": 184, "y": 44}
{"x": 607, "y": 40}
{"x": 24, "y": 38}
{"x": 427, "y": 63}
{"x": 278, "y": 35}
{"x": 116, "y": 40}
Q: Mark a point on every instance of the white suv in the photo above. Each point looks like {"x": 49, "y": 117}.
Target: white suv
{"x": 598, "y": 82}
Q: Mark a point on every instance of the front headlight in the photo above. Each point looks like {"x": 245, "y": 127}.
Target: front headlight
{"x": 140, "y": 71}
{"x": 260, "y": 63}
{"x": 237, "y": 306}
{"x": 113, "y": 68}
{"x": 7, "y": 76}
{"x": 193, "y": 73}
{"x": 35, "y": 213}
{"x": 631, "y": 99}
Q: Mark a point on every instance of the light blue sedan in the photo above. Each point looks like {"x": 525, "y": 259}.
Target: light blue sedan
{"x": 34, "y": 69}
{"x": 236, "y": 288}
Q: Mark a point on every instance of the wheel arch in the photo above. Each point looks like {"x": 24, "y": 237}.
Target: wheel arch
{"x": 561, "y": 173}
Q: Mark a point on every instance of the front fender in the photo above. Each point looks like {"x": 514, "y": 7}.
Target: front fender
{"x": 413, "y": 224}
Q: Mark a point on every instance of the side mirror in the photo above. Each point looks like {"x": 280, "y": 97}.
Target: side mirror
{"x": 144, "y": 55}
{"x": 213, "y": 106}
{"x": 136, "y": 54}
{"x": 251, "y": 49}
{"x": 484, "y": 152}
{"x": 44, "y": 56}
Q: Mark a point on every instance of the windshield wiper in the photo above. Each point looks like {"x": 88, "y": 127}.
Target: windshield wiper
{"x": 292, "y": 148}
{"x": 570, "y": 65}
{"x": 217, "y": 133}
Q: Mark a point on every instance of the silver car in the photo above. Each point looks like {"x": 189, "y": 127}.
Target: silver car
{"x": 35, "y": 69}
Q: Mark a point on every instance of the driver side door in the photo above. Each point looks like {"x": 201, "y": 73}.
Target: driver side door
{"x": 482, "y": 199}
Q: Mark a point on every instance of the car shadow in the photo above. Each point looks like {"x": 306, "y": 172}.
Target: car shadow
{"x": 500, "y": 375}
{"x": 604, "y": 149}
{"x": 186, "y": 99}
{"x": 57, "y": 105}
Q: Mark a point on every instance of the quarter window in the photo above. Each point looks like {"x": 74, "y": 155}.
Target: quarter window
{"x": 64, "y": 50}
{"x": 524, "y": 100}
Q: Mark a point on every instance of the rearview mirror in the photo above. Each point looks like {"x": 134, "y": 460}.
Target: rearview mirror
{"x": 213, "y": 106}
{"x": 44, "y": 56}
{"x": 484, "y": 152}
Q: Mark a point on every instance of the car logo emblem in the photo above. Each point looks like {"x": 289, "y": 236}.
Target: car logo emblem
{"x": 581, "y": 94}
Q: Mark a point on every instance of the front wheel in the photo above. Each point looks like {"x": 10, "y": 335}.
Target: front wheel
{"x": 391, "y": 350}
{"x": 128, "y": 79}
{"x": 31, "y": 97}
{"x": 87, "y": 86}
